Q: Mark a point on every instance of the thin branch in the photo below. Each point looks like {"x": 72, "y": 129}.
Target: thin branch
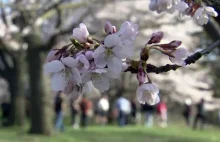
{"x": 210, "y": 48}
{"x": 190, "y": 60}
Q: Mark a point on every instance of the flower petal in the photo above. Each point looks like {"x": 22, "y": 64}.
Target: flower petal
{"x": 82, "y": 58}
{"x": 76, "y": 75}
{"x": 86, "y": 77}
{"x": 87, "y": 87}
{"x": 211, "y": 11}
{"x": 101, "y": 49}
{"x": 58, "y": 82}
{"x": 112, "y": 40}
{"x": 102, "y": 84}
{"x": 203, "y": 19}
{"x": 100, "y": 61}
{"x": 69, "y": 61}
{"x": 53, "y": 66}
{"x": 180, "y": 53}
{"x": 121, "y": 51}
{"x": 114, "y": 64}
{"x": 177, "y": 61}
{"x": 198, "y": 12}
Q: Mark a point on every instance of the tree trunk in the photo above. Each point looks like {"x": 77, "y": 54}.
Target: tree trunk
{"x": 16, "y": 79}
{"x": 41, "y": 108}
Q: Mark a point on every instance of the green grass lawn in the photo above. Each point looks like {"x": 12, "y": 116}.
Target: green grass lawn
{"x": 115, "y": 134}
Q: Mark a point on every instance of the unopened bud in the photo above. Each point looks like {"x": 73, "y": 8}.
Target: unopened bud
{"x": 156, "y": 37}
{"x": 109, "y": 29}
{"x": 175, "y": 43}
{"x": 87, "y": 45}
{"x": 141, "y": 75}
{"x": 89, "y": 55}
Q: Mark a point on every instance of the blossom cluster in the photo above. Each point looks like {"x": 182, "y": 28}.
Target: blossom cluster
{"x": 191, "y": 8}
{"x": 88, "y": 62}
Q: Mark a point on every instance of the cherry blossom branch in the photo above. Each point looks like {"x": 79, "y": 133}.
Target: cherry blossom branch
{"x": 190, "y": 60}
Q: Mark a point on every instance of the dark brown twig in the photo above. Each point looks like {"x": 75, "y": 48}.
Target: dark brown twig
{"x": 190, "y": 60}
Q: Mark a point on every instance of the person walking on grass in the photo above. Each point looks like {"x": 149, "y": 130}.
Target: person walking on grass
{"x": 59, "y": 112}
{"x": 75, "y": 110}
{"x": 162, "y": 113}
{"x": 187, "y": 112}
{"x": 148, "y": 112}
{"x": 103, "y": 108}
{"x": 85, "y": 107}
{"x": 200, "y": 115}
{"x": 123, "y": 107}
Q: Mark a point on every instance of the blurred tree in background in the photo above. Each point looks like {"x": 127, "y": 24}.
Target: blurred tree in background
{"x": 24, "y": 41}
{"x": 31, "y": 28}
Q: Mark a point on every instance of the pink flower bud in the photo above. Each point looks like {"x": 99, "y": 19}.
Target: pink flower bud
{"x": 141, "y": 75}
{"x": 156, "y": 37}
{"x": 53, "y": 56}
{"x": 109, "y": 28}
{"x": 175, "y": 43}
{"x": 81, "y": 34}
{"x": 172, "y": 45}
{"x": 114, "y": 29}
{"x": 89, "y": 55}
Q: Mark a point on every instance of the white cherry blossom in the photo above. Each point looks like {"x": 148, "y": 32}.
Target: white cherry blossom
{"x": 62, "y": 73}
{"x": 128, "y": 31}
{"x": 99, "y": 79}
{"x": 81, "y": 34}
{"x": 147, "y": 93}
{"x": 82, "y": 63}
{"x": 110, "y": 54}
{"x": 202, "y": 14}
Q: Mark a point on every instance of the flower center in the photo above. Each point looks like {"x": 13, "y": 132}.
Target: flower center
{"x": 80, "y": 65}
{"x": 67, "y": 73}
{"x": 109, "y": 52}
{"x": 95, "y": 77}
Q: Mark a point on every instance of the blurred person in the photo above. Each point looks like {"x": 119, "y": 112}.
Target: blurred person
{"x": 103, "y": 108}
{"x": 123, "y": 107}
{"x": 200, "y": 115}
{"x": 59, "y": 111}
{"x": 133, "y": 110}
{"x": 187, "y": 112}
{"x": 75, "y": 110}
{"x": 85, "y": 107}
{"x": 162, "y": 113}
{"x": 148, "y": 111}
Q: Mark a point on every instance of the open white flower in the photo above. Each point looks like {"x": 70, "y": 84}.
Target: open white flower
{"x": 110, "y": 54}
{"x": 62, "y": 73}
{"x": 147, "y": 93}
{"x": 81, "y": 34}
{"x": 179, "y": 55}
{"x": 202, "y": 14}
{"x": 168, "y": 5}
{"x": 99, "y": 79}
{"x": 82, "y": 63}
{"x": 128, "y": 31}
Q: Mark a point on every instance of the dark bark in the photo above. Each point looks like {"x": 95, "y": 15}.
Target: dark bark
{"x": 14, "y": 73}
{"x": 16, "y": 79}
{"x": 40, "y": 99}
